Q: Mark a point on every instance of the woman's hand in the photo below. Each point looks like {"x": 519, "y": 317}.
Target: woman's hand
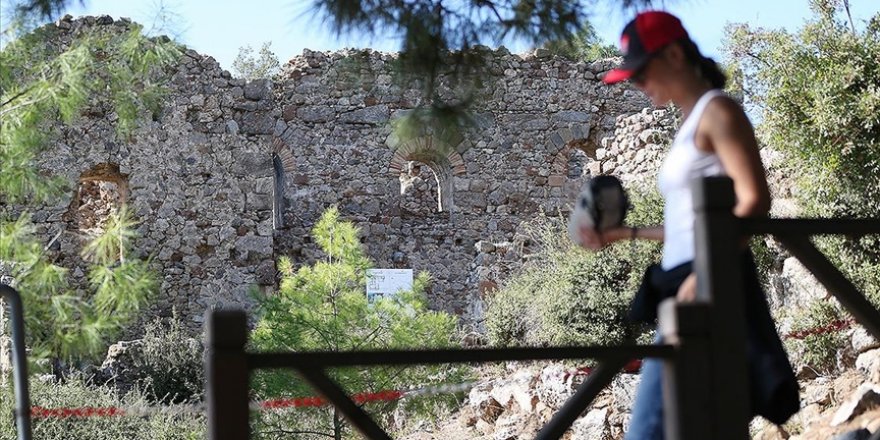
{"x": 595, "y": 240}
{"x": 687, "y": 292}
{"x": 591, "y": 238}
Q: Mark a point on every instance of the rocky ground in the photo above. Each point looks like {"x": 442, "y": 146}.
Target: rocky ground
{"x": 515, "y": 402}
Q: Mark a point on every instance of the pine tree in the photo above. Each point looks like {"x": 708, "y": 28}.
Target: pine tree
{"x": 41, "y": 86}
{"x": 324, "y": 307}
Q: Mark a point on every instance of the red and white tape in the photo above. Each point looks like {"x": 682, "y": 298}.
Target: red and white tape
{"x": 633, "y": 366}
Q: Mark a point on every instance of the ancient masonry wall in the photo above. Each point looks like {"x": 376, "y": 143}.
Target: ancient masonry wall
{"x": 233, "y": 174}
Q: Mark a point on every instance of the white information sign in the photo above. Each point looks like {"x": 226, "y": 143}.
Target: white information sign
{"x": 387, "y": 282}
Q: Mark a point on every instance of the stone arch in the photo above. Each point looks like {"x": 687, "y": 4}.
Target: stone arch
{"x": 419, "y": 190}
{"x": 101, "y": 192}
{"x": 444, "y": 162}
{"x": 570, "y": 140}
{"x": 282, "y": 164}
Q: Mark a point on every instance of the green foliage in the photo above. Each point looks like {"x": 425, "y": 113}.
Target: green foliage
{"x": 818, "y": 94}
{"x": 816, "y": 351}
{"x": 584, "y": 45}
{"x": 102, "y": 71}
{"x": 68, "y": 325}
{"x": 39, "y": 83}
{"x": 567, "y": 296}
{"x": 252, "y": 66}
{"x": 76, "y": 393}
{"x": 324, "y": 307}
{"x": 169, "y": 368}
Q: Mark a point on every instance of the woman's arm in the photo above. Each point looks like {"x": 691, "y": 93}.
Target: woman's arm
{"x": 597, "y": 240}
{"x": 726, "y": 131}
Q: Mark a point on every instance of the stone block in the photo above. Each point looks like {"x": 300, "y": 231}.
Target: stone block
{"x": 257, "y": 89}
{"x": 557, "y": 140}
{"x": 265, "y": 273}
{"x": 593, "y": 426}
{"x": 865, "y": 397}
{"x": 288, "y": 113}
{"x": 526, "y": 121}
{"x": 373, "y": 115}
{"x": 255, "y": 244}
{"x": 257, "y": 123}
{"x": 316, "y": 114}
{"x": 869, "y": 364}
{"x": 258, "y": 202}
{"x": 571, "y": 116}
{"x": 556, "y": 180}
{"x": 862, "y": 341}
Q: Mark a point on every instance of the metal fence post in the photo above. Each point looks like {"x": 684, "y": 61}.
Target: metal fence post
{"x": 719, "y": 282}
{"x": 19, "y": 362}
{"x": 226, "y": 372}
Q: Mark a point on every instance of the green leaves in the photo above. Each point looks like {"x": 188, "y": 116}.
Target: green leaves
{"x": 567, "y": 296}
{"x": 39, "y": 83}
{"x": 818, "y": 91}
{"x": 42, "y": 85}
{"x": 583, "y": 45}
{"x": 74, "y": 325}
{"x": 264, "y": 64}
{"x": 324, "y": 307}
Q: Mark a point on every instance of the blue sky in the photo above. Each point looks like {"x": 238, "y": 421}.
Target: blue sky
{"x": 219, "y": 27}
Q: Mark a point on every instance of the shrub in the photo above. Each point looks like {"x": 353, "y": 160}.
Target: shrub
{"x": 324, "y": 307}
{"x": 564, "y": 295}
{"x": 169, "y": 368}
{"x": 75, "y": 393}
{"x": 816, "y": 350}
{"x": 816, "y": 90}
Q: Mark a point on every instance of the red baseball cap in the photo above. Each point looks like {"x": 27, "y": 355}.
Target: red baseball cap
{"x": 642, "y": 37}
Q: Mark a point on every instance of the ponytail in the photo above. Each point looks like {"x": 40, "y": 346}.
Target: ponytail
{"x": 706, "y": 67}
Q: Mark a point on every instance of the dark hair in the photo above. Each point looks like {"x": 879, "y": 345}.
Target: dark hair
{"x": 707, "y": 67}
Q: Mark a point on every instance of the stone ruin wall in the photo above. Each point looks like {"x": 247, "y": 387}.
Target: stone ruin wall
{"x": 200, "y": 176}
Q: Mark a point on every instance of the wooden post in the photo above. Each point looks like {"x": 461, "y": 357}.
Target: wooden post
{"x": 227, "y": 375}
{"x": 719, "y": 282}
{"x": 686, "y": 394}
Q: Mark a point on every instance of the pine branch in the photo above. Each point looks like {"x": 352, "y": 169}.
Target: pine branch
{"x": 17, "y": 95}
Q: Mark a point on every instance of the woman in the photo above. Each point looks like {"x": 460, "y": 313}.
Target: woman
{"x": 715, "y": 139}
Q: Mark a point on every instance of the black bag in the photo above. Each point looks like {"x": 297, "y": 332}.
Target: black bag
{"x": 774, "y": 387}
{"x": 657, "y": 284}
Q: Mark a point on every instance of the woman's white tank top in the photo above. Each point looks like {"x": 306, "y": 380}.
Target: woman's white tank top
{"x": 684, "y": 163}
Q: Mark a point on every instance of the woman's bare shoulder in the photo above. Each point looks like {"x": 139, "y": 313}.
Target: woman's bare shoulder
{"x": 725, "y": 112}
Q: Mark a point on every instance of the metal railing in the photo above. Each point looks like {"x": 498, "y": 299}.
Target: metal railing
{"x": 705, "y": 382}
{"x": 19, "y": 362}
{"x": 705, "y": 379}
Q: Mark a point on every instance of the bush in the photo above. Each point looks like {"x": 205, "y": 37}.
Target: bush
{"x": 816, "y": 90}
{"x": 324, "y": 307}
{"x": 75, "y": 393}
{"x": 169, "y": 369}
{"x": 567, "y": 296}
{"x": 817, "y": 351}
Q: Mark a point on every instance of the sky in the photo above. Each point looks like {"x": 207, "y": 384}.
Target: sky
{"x": 220, "y": 27}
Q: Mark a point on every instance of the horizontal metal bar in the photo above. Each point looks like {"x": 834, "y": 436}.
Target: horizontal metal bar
{"x": 804, "y": 226}
{"x": 575, "y": 405}
{"x": 836, "y": 282}
{"x": 414, "y": 357}
{"x": 331, "y": 391}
